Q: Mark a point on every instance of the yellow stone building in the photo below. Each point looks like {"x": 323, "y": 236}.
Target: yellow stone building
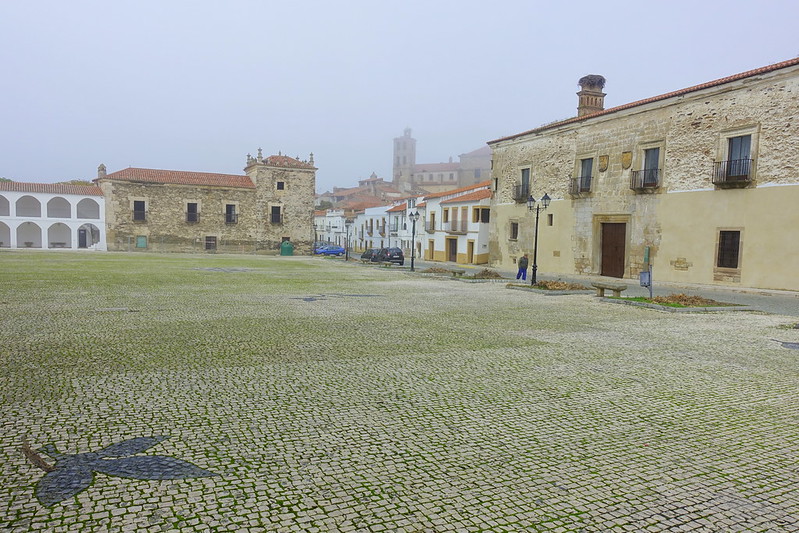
{"x": 703, "y": 183}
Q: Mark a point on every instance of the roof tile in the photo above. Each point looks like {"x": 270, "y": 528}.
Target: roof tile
{"x": 180, "y": 177}
{"x": 50, "y": 188}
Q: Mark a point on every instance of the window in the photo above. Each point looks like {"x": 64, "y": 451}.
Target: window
{"x": 210, "y": 242}
{"x": 231, "y": 216}
{"x": 141, "y": 241}
{"x": 739, "y": 156}
{"x": 514, "y": 231}
{"x": 445, "y": 218}
{"x": 729, "y": 249}
{"x": 550, "y": 219}
{"x": 485, "y": 215}
{"x": 139, "y": 210}
{"x": 281, "y": 185}
{"x": 651, "y": 167}
{"x": 276, "y": 216}
{"x": 192, "y": 214}
{"x": 522, "y": 190}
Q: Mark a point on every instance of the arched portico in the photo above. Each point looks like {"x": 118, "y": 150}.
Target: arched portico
{"x": 59, "y": 207}
{"x": 5, "y": 235}
{"x": 89, "y": 208}
{"x": 5, "y": 207}
{"x": 29, "y": 235}
{"x": 59, "y": 236}
{"x": 88, "y": 236}
{"x": 28, "y": 206}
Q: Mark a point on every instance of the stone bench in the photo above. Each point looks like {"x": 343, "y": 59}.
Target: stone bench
{"x": 601, "y": 287}
{"x": 58, "y": 245}
{"x": 457, "y": 273}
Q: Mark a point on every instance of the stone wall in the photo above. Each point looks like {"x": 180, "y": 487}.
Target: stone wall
{"x": 691, "y": 131}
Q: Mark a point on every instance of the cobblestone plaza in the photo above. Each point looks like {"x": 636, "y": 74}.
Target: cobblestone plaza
{"x": 232, "y": 393}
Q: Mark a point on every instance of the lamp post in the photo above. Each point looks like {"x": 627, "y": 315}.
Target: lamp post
{"x": 414, "y": 217}
{"x": 531, "y": 205}
{"x": 347, "y": 224}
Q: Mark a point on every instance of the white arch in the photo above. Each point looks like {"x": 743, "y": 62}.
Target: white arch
{"x": 5, "y": 207}
{"x": 59, "y": 236}
{"x": 28, "y": 206}
{"x": 88, "y": 208}
{"x": 5, "y": 235}
{"x": 89, "y": 236}
{"x": 29, "y": 235}
{"x": 59, "y": 207}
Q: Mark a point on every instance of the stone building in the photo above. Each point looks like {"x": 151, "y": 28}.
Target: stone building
{"x": 181, "y": 211}
{"x": 701, "y": 183}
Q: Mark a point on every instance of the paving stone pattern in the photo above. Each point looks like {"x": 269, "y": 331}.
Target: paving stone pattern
{"x": 429, "y": 406}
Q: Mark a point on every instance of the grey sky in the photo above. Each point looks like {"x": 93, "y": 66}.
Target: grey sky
{"x": 196, "y": 85}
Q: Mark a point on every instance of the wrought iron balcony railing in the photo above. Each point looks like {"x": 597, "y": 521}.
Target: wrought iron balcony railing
{"x": 580, "y": 185}
{"x": 430, "y": 226}
{"x": 521, "y": 193}
{"x": 192, "y": 218}
{"x": 732, "y": 173}
{"x": 276, "y": 218}
{"x": 231, "y": 218}
{"x": 456, "y": 226}
{"x": 139, "y": 216}
{"x": 643, "y": 180}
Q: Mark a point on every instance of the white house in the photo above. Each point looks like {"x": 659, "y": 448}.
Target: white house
{"x": 51, "y": 216}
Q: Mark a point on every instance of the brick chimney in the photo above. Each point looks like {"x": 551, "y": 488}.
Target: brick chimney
{"x": 592, "y": 99}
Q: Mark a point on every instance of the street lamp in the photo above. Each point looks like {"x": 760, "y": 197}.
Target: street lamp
{"x": 414, "y": 217}
{"x": 347, "y": 224}
{"x": 531, "y": 205}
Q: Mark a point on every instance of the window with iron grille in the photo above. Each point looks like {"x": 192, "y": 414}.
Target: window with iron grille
{"x": 192, "y": 214}
{"x": 729, "y": 249}
{"x": 276, "y": 215}
{"x": 139, "y": 210}
{"x": 231, "y": 217}
{"x": 210, "y": 242}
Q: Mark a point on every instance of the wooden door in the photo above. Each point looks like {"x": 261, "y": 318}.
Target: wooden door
{"x": 452, "y": 250}
{"x": 613, "y": 237}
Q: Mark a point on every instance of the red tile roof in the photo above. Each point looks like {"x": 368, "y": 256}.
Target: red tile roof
{"x": 481, "y": 185}
{"x": 421, "y": 204}
{"x": 51, "y": 188}
{"x": 681, "y": 92}
{"x": 180, "y": 177}
{"x": 471, "y": 197}
{"x": 287, "y": 162}
{"x": 398, "y": 208}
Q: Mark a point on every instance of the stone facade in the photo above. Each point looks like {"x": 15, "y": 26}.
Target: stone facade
{"x": 178, "y": 211}
{"x": 660, "y": 171}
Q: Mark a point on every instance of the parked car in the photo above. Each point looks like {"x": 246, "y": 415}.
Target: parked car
{"x": 393, "y": 255}
{"x": 330, "y": 249}
{"x": 370, "y": 255}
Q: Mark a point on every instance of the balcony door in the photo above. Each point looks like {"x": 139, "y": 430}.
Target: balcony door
{"x": 614, "y": 235}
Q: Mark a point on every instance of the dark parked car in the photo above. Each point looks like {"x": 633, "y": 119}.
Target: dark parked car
{"x": 393, "y": 255}
{"x": 370, "y": 254}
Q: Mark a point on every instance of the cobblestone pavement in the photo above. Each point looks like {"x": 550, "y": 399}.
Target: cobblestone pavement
{"x": 313, "y": 395}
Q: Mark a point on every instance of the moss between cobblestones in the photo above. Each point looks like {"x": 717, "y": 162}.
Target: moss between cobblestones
{"x": 425, "y": 405}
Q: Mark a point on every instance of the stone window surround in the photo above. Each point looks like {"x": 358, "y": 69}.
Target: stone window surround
{"x": 578, "y": 164}
{"x": 723, "y": 144}
{"x": 733, "y": 274}
{"x": 638, "y": 156}
{"x": 511, "y": 222}
{"x": 133, "y": 200}
{"x": 187, "y": 202}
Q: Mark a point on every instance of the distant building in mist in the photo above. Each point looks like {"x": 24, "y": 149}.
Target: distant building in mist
{"x": 472, "y": 167}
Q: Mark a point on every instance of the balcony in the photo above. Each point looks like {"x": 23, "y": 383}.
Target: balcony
{"x": 456, "y": 226}
{"x": 139, "y": 216}
{"x": 521, "y": 193}
{"x": 231, "y": 218}
{"x": 645, "y": 180}
{"x": 732, "y": 174}
{"x": 394, "y": 229}
{"x": 192, "y": 218}
{"x": 580, "y": 186}
{"x": 430, "y": 226}
{"x": 276, "y": 218}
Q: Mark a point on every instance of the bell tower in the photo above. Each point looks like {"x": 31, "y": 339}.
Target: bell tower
{"x": 404, "y": 160}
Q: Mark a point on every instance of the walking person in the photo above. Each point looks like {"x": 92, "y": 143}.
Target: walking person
{"x": 523, "y": 262}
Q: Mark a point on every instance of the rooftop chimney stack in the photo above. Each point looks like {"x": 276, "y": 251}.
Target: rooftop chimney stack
{"x": 592, "y": 99}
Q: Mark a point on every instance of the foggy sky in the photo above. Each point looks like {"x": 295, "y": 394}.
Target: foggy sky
{"x": 197, "y": 85}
